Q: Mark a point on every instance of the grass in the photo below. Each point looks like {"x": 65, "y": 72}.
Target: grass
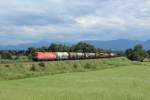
{"x": 15, "y": 59}
{"x": 24, "y": 70}
{"x": 131, "y": 82}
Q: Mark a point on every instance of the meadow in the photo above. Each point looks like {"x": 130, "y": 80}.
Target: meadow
{"x": 107, "y": 79}
{"x": 17, "y": 70}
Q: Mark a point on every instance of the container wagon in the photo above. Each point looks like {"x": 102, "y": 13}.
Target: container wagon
{"x": 62, "y": 55}
{"x": 80, "y": 55}
{"x": 90, "y": 55}
{"x": 73, "y": 55}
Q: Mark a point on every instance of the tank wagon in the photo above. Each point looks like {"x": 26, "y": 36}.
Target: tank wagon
{"x": 90, "y": 55}
{"x": 62, "y": 55}
{"x": 39, "y": 56}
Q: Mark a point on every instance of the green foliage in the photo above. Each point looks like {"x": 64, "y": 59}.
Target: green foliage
{"x": 87, "y": 66}
{"x": 84, "y": 47}
{"x": 33, "y": 68}
{"x": 79, "y": 47}
{"x": 75, "y": 66}
{"x": 137, "y": 53}
{"x": 7, "y": 66}
{"x": 59, "y": 48}
{"x": 17, "y": 57}
{"x": 148, "y": 53}
{"x": 43, "y": 49}
{"x": 30, "y": 56}
{"x": 42, "y": 64}
{"x": 99, "y": 50}
{"x": 31, "y": 50}
{"x": 6, "y": 55}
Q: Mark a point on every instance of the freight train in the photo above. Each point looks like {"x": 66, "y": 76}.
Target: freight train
{"x": 50, "y": 56}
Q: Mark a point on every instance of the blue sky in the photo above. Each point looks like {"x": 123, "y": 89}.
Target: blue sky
{"x": 27, "y": 21}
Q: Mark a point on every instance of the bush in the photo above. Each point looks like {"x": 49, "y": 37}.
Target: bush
{"x": 33, "y": 68}
{"x": 87, "y": 66}
{"x": 6, "y": 55}
{"x": 75, "y": 66}
{"x": 42, "y": 64}
{"x": 136, "y": 54}
{"x": 29, "y": 56}
{"x": 148, "y": 53}
{"x": 7, "y": 66}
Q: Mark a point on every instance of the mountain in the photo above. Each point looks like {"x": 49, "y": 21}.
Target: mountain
{"x": 120, "y": 44}
{"x": 25, "y": 46}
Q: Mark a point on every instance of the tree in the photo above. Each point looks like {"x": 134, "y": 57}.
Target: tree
{"x": 129, "y": 53}
{"x": 43, "y": 49}
{"x": 59, "y": 48}
{"x": 31, "y": 50}
{"x": 99, "y": 50}
{"x": 53, "y": 47}
{"x": 6, "y": 55}
{"x": 84, "y": 47}
{"x": 136, "y": 54}
{"x": 148, "y": 53}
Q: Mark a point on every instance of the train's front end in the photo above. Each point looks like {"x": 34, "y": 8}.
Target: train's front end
{"x": 44, "y": 56}
{"x": 35, "y": 56}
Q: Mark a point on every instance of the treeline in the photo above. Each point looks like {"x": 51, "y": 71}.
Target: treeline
{"x": 79, "y": 47}
{"x": 137, "y": 53}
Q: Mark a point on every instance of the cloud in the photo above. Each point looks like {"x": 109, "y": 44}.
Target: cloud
{"x": 95, "y": 21}
{"x": 32, "y": 20}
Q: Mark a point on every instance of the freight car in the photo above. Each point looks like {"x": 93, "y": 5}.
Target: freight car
{"x": 62, "y": 55}
{"x": 38, "y": 56}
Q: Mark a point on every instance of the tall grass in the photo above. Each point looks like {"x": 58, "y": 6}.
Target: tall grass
{"x": 24, "y": 70}
{"x": 123, "y": 83}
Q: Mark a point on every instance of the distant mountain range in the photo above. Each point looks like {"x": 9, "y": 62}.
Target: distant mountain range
{"x": 120, "y": 44}
{"x": 25, "y": 46}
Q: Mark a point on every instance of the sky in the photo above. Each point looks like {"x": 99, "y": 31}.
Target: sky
{"x": 29, "y": 21}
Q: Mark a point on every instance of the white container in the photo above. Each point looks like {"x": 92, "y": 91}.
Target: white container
{"x": 73, "y": 55}
{"x": 80, "y": 55}
{"x": 90, "y": 55}
{"x": 112, "y": 54}
{"x": 62, "y": 55}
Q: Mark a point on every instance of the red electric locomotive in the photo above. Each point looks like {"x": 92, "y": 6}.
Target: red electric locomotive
{"x": 44, "y": 56}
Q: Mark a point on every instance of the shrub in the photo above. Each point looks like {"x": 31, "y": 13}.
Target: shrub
{"x": 33, "y": 68}
{"x": 29, "y": 56}
{"x": 93, "y": 67}
{"x": 87, "y": 66}
{"x": 6, "y": 55}
{"x": 7, "y": 66}
{"x": 42, "y": 64}
{"x": 148, "y": 53}
{"x": 136, "y": 54}
{"x": 75, "y": 66}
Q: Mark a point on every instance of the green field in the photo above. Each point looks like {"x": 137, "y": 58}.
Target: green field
{"x": 127, "y": 82}
{"x": 18, "y": 70}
